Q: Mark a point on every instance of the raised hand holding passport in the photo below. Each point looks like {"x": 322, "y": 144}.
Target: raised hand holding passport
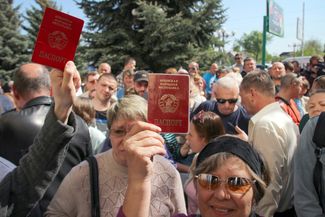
{"x": 64, "y": 85}
{"x": 57, "y": 39}
{"x": 168, "y": 102}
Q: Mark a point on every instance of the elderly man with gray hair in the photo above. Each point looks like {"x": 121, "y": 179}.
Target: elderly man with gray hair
{"x": 226, "y": 105}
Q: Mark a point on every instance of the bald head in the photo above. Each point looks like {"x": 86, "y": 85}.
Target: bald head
{"x": 104, "y": 68}
{"x": 277, "y": 71}
{"x": 30, "y": 81}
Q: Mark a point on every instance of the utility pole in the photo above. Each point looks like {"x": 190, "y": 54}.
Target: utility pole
{"x": 303, "y": 29}
{"x": 294, "y": 46}
{"x": 265, "y": 27}
{"x": 265, "y": 21}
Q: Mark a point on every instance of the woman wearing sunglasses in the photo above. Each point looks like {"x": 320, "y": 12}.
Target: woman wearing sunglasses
{"x": 230, "y": 178}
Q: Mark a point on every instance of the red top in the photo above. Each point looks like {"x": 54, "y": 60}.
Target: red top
{"x": 290, "y": 107}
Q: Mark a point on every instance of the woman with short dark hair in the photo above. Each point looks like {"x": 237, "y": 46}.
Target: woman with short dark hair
{"x": 230, "y": 179}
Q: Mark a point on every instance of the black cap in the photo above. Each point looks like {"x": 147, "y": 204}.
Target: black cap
{"x": 141, "y": 76}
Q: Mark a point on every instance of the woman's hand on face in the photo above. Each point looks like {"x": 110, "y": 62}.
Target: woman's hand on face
{"x": 141, "y": 143}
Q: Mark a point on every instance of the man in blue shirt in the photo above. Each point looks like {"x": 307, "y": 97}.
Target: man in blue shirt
{"x": 207, "y": 77}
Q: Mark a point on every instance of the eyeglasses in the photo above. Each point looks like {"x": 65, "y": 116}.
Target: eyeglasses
{"x": 192, "y": 68}
{"x": 230, "y": 101}
{"x": 237, "y": 58}
{"x": 237, "y": 185}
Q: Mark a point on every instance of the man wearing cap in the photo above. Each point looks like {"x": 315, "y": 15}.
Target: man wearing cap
{"x": 273, "y": 133}
{"x": 141, "y": 83}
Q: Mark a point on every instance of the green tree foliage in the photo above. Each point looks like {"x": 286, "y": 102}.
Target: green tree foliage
{"x": 273, "y": 58}
{"x": 13, "y": 45}
{"x": 312, "y": 47}
{"x": 252, "y": 44}
{"x": 34, "y": 16}
{"x": 159, "y": 34}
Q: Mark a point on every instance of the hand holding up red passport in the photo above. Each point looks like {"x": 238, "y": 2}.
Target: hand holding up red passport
{"x": 168, "y": 102}
{"x": 57, "y": 39}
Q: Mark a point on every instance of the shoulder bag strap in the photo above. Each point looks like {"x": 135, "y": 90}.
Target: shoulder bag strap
{"x": 319, "y": 135}
{"x": 288, "y": 104}
{"x": 94, "y": 187}
{"x": 319, "y": 140}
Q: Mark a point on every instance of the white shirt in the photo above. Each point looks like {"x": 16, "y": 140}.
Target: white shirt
{"x": 274, "y": 135}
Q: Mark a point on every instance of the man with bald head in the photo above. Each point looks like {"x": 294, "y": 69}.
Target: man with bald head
{"x": 30, "y": 81}
{"x": 18, "y": 128}
{"x": 104, "y": 68}
{"x": 276, "y": 72}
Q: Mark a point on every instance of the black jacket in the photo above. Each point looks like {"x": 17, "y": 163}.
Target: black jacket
{"x": 25, "y": 185}
{"x": 18, "y": 130}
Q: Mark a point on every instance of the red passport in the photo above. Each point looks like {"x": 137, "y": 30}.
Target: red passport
{"x": 168, "y": 102}
{"x": 57, "y": 39}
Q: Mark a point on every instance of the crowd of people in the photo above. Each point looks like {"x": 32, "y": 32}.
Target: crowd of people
{"x": 72, "y": 146}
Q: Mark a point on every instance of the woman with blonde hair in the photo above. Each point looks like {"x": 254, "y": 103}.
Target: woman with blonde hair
{"x": 200, "y": 84}
{"x": 196, "y": 98}
{"x": 127, "y": 128}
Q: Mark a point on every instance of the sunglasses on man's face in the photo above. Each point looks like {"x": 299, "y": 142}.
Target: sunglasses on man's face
{"x": 319, "y": 77}
{"x": 235, "y": 184}
{"x": 230, "y": 101}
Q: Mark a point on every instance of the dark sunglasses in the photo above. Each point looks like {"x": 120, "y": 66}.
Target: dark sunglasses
{"x": 319, "y": 77}
{"x": 237, "y": 58}
{"x": 237, "y": 185}
{"x": 192, "y": 68}
{"x": 223, "y": 101}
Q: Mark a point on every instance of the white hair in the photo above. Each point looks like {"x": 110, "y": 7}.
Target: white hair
{"x": 227, "y": 82}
